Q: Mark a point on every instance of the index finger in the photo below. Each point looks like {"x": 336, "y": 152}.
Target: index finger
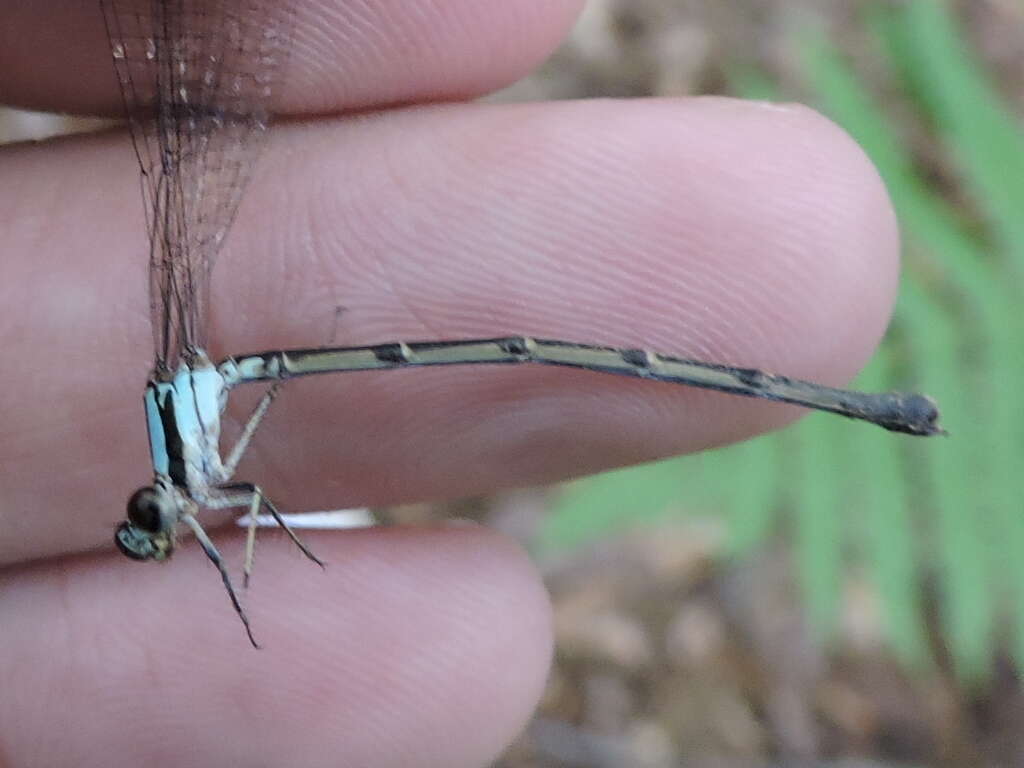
{"x": 344, "y": 56}
{"x": 706, "y": 228}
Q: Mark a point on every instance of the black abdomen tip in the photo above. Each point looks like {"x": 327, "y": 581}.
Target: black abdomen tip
{"x": 919, "y": 415}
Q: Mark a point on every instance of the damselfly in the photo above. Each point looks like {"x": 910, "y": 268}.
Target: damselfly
{"x": 196, "y": 77}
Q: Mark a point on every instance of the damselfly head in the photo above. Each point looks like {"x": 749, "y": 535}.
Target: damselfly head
{"x": 148, "y": 533}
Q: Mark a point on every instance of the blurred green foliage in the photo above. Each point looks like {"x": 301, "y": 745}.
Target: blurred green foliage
{"x": 943, "y": 513}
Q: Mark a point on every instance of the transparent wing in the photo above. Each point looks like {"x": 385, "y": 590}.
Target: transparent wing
{"x": 196, "y": 77}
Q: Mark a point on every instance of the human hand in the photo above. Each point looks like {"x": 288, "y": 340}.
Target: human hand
{"x": 746, "y": 233}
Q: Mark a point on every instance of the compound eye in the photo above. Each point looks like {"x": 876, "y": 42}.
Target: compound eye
{"x": 150, "y": 510}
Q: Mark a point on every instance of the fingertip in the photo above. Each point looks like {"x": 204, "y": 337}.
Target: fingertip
{"x": 858, "y": 281}
{"x": 814, "y": 250}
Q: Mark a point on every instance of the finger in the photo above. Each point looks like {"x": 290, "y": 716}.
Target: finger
{"x": 731, "y": 232}
{"x": 343, "y": 56}
{"x": 413, "y": 648}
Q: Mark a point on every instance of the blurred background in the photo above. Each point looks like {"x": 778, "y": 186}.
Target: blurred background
{"x": 830, "y": 595}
